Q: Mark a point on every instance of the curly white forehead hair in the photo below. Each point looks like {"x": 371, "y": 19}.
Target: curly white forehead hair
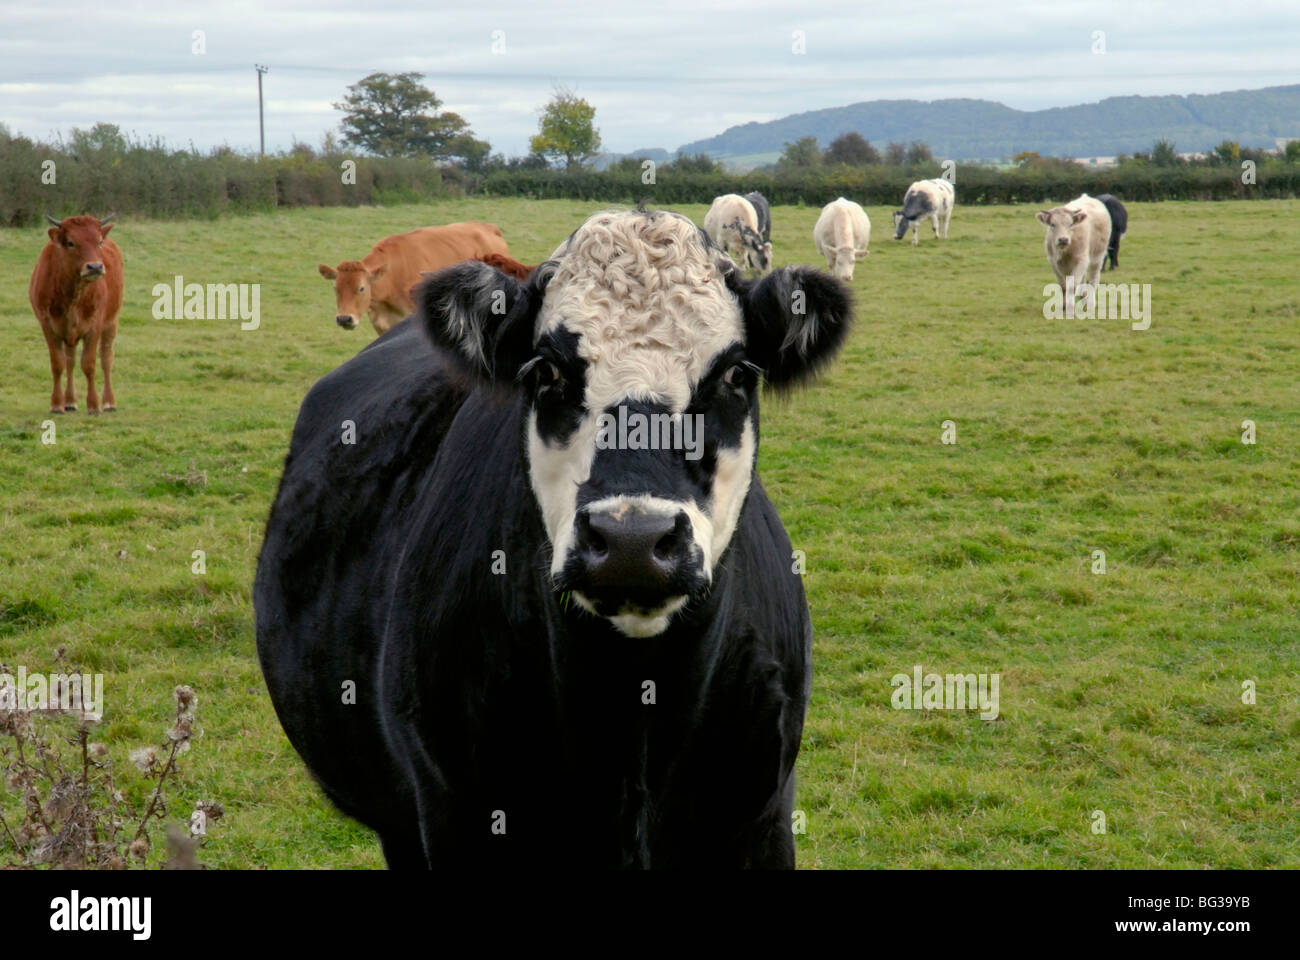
{"x": 646, "y": 294}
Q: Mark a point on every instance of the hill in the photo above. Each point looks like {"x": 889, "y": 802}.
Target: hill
{"x": 974, "y": 129}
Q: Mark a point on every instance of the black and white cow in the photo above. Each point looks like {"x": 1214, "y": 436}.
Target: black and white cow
{"x": 1118, "y": 227}
{"x": 733, "y": 225}
{"x": 931, "y": 199}
{"x": 764, "y": 213}
{"x": 500, "y": 632}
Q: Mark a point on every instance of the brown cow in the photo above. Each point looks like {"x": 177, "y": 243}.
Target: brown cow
{"x": 510, "y": 267}
{"x": 381, "y": 283}
{"x": 76, "y": 294}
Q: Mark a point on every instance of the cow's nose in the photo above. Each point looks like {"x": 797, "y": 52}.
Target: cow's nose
{"x": 1062, "y": 241}
{"x": 628, "y": 550}
{"x": 343, "y": 320}
{"x": 96, "y": 267}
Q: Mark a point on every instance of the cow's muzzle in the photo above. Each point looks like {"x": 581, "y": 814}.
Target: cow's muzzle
{"x": 346, "y": 321}
{"x": 93, "y": 270}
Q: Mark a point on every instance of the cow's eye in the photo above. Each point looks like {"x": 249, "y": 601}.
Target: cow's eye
{"x": 741, "y": 376}
{"x": 69, "y": 244}
{"x": 547, "y": 374}
{"x": 361, "y": 289}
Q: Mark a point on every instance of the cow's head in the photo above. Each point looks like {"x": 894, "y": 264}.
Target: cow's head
{"x": 901, "y": 223}
{"x": 80, "y": 242}
{"x": 639, "y": 350}
{"x": 352, "y": 289}
{"x": 1059, "y": 222}
{"x": 758, "y": 254}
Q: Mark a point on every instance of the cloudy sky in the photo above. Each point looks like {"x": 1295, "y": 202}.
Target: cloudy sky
{"x": 659, "y": 72}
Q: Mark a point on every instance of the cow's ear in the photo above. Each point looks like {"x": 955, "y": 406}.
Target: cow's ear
{"x": 329, "y": 273}
{"x": 796, "y": 319}
{"x": 481, "y": 316}
{"x": 103, "y": 231}
{"x": 1078, "y": 216}
{"x": 1045, "y": 218}
{"x": 378, "y": 272}
{"x": 54, "y": 234}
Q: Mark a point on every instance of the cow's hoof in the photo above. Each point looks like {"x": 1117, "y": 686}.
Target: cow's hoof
{"x": 69, "y": 407}
{"x": 93, "y": 413}
{"x": 56, "y": 409}
{"x": 110, "y": 409}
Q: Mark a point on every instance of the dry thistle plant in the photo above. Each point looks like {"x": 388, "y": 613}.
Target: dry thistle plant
{"x": 73, "y": 815}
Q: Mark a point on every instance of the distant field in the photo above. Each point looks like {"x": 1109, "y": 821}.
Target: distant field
{"x": 1119, "y": 693}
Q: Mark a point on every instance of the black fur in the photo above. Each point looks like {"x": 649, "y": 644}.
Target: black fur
{"x": 759, "y": 203}
{"x": 1118, "y": 227}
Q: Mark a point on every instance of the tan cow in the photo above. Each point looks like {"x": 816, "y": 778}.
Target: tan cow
{"x": 1076, "y": 240}
{"x": 76, "y": 294}
{"x": 380, "y": 284}
{"x": 842, "y": 234}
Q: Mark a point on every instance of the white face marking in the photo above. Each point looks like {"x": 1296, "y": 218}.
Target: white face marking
{"x": 649, "y": 306}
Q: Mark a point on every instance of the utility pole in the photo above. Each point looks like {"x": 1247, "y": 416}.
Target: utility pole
{"x": 261, "y": 126}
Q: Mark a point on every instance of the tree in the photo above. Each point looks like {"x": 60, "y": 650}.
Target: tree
{"x": 696, "y": 163}
{"x": 803, "y": 153}
{"x": 895, "y": 154}
{"x": 567, "y": 130}
{"x": 1163, "y": 153}
{"x": 851, "y": 149}
{"x": 919, "y": 153}
{"x": 394, "y": 114}
{"x": 1292, "y": 151}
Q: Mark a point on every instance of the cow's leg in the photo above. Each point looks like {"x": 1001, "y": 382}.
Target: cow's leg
{"x": 106, "y": 361}
{"x": 69, "y": 368}
{"x": 56, "y": 370}
{"x": 947, "y": 218}
{"x": 89, "y": 349}
{"x": 934, "y": 222}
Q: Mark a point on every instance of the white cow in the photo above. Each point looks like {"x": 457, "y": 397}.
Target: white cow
{"x": 842, "y": 234}
{"x": 732, "y": 224}
{"x": 1077, "y": 235}
{"x": 925, "y": 198}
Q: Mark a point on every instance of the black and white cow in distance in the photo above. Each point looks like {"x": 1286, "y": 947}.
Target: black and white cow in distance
{"x": 560, "y": 653}
{"x": 1118, "y": 227}
{"x": 764, "y": 214}
{"x": 733, "y": 224}
{"x": 925, "y": 198}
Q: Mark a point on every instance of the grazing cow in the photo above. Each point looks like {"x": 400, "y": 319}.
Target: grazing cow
{"x": 732, "y": 224}
{"x": 507, "y": 265}
{"x": 842, "y": 234}
{"x": 925, "y": 198}
{"x": 764, "y": 214}
{"x": 1118, "y": 227}
{"x": 1076, "y": 239}
{"x": 76, "y": 294}
{"x": 498, "y": 602}
{"x": 380, "y": 284}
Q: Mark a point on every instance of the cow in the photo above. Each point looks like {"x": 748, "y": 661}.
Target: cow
{"x": 497, "y": 603}
{"x": 925, "y": 198}
{"x": 1076, "y": 240}
{"x": 507, "y": 265}
{"x": 380, "y": 284}
{"x": 732, "y": 224}
{"x": 76, "y": 294}
{"x": 842, "y": 235}
{"x": 764, "y": 214}
{"x": 1118, "y": 227}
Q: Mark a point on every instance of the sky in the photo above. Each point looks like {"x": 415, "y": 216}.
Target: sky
{"x": 660, "y": 73}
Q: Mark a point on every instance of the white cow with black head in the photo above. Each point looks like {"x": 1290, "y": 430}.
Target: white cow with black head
{"x": 733, "y": 224}
{"x": 931, "y": 199}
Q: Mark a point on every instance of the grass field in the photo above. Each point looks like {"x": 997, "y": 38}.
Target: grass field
{"x": 1119, "y": 692}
